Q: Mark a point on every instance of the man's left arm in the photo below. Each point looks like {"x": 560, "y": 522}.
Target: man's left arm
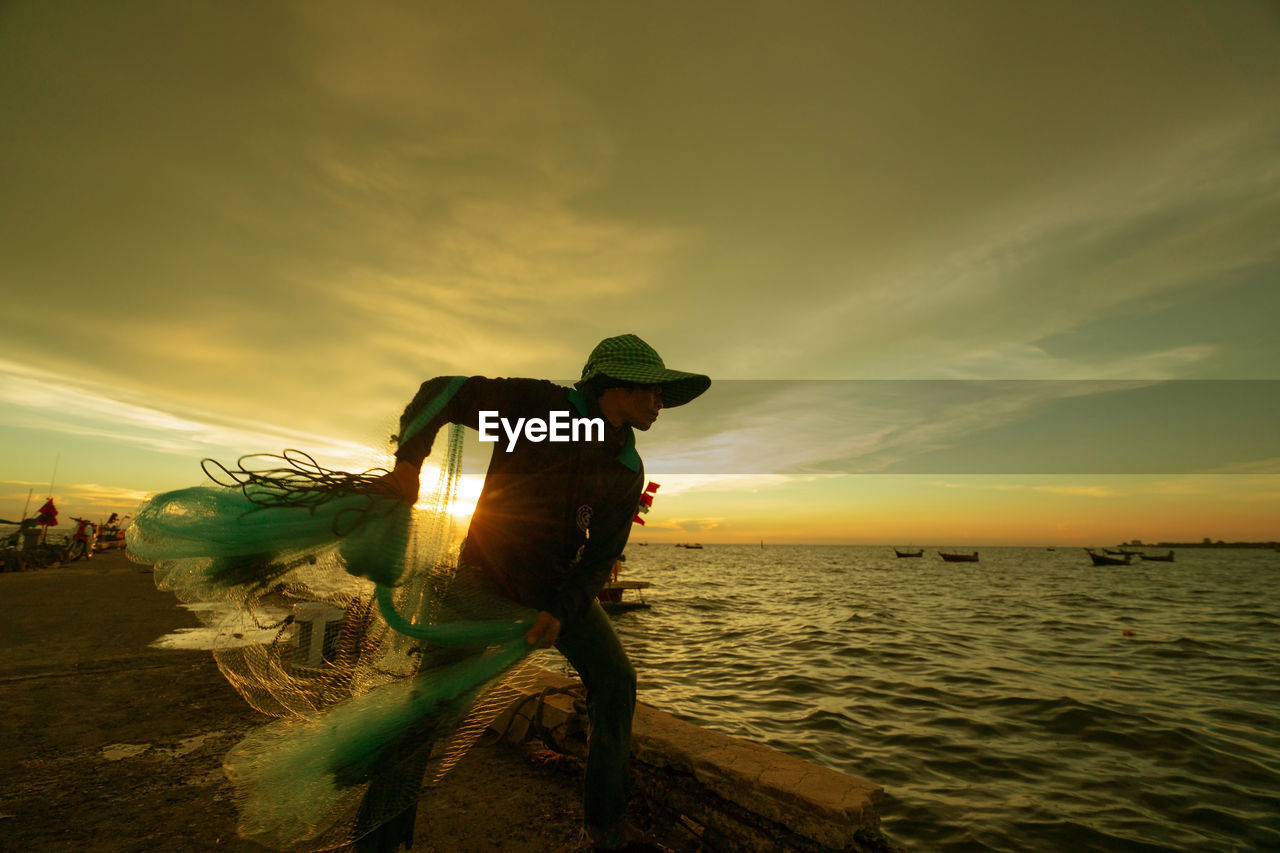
{"x": 582, "y": 581}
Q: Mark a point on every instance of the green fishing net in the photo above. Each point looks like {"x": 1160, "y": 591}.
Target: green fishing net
{"x": 340, "y": 610}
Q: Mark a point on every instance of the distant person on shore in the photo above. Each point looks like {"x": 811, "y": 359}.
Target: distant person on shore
{"x": 553, "y": 517}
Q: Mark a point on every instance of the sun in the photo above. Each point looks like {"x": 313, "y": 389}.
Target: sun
{"x": 464, "y": 502}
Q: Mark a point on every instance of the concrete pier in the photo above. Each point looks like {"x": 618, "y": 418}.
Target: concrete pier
{"x": 728, "y": 793}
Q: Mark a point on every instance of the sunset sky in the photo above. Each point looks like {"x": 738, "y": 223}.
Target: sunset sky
{"x": 962, "y": 272}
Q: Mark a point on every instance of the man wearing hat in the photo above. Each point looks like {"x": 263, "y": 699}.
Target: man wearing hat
{"x": 552, "y": 519}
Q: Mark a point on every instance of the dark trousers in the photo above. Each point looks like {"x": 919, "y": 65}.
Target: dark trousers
{"x": 593, "y": 648}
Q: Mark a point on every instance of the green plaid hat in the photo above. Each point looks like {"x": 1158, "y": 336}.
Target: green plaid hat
{"x": 630, "y": 359}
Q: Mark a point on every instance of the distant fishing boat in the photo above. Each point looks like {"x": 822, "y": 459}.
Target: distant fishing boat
{"x": 919, "y": 553}
{"x": 1108, "y": 559}
{"x": 1159, "y": 558}
{"x": 694, "y": 545}
{"x": 959, "y": 558}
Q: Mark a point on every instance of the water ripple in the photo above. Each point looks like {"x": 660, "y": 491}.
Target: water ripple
{"x": 1028, "y": 702}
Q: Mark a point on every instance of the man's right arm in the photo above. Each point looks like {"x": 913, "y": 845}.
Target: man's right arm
{"x": 433, "y": 406}
{"x": 459, "y": 400}
{"x": 405, "y": 479}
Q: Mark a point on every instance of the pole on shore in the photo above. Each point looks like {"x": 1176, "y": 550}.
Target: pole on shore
{"x": 54, "y": 475}
{"x": 44, "y": 531}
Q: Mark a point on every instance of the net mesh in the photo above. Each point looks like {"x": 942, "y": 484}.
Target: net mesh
{"x": 340, "y": 610}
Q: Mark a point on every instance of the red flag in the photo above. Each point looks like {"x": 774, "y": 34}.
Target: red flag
{"x": 48, "y": 515}
{"x": 646, "y": 502}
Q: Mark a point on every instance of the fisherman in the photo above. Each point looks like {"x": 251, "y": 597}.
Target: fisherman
{"x": 553, "y": 517}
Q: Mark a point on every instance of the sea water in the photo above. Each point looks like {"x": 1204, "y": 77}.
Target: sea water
{"x": 1029, "y": 701}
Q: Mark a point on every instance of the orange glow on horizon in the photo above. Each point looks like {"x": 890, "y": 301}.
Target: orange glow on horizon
{"x": 976, "y": 511}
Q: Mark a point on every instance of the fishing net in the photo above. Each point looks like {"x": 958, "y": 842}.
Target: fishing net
{"x": 339, "y": 609}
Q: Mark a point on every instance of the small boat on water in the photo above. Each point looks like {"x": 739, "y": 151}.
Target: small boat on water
{"x": 959, "y": 558}
{"x": 611, "y": 596}
{"x": 1108, "y": 559}
{"x": 919, "y": 553}
{"x": 1159, "y": 558}
{"x": 694, "y": 546}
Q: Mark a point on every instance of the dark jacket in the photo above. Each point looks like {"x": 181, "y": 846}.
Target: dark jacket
{"x": 553, "y": 516}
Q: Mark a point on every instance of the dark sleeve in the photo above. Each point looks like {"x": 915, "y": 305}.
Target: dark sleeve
{"x": 584, "y": 578}
{"x": 459, "y": 400}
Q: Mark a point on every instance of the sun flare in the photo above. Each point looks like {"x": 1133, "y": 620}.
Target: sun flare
{"x": 463, "y": 503}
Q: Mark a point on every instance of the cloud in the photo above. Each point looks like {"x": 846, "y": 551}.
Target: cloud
{"x": 690, "y": 524}
{"x": 1254, "y": 466}
{"x": 1081, "y": 491}
{"x": 966, "y": 426}
{"x": 1128, "y": 238}
{"x": 738, "y": 484}
{"x": 1021, "y": 360}
{"x": 816, "y": 427}
{"x": 251, "y": 236}
{"x": 391, "y": 200}
{"x": 102, "y": 498}
{"x": 41, "y": 400}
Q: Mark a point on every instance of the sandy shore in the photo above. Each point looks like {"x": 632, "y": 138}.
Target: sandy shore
{"x": 109, "y": 744}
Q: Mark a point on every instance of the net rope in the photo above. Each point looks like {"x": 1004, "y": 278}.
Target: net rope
{"x": 340, "y": 610}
